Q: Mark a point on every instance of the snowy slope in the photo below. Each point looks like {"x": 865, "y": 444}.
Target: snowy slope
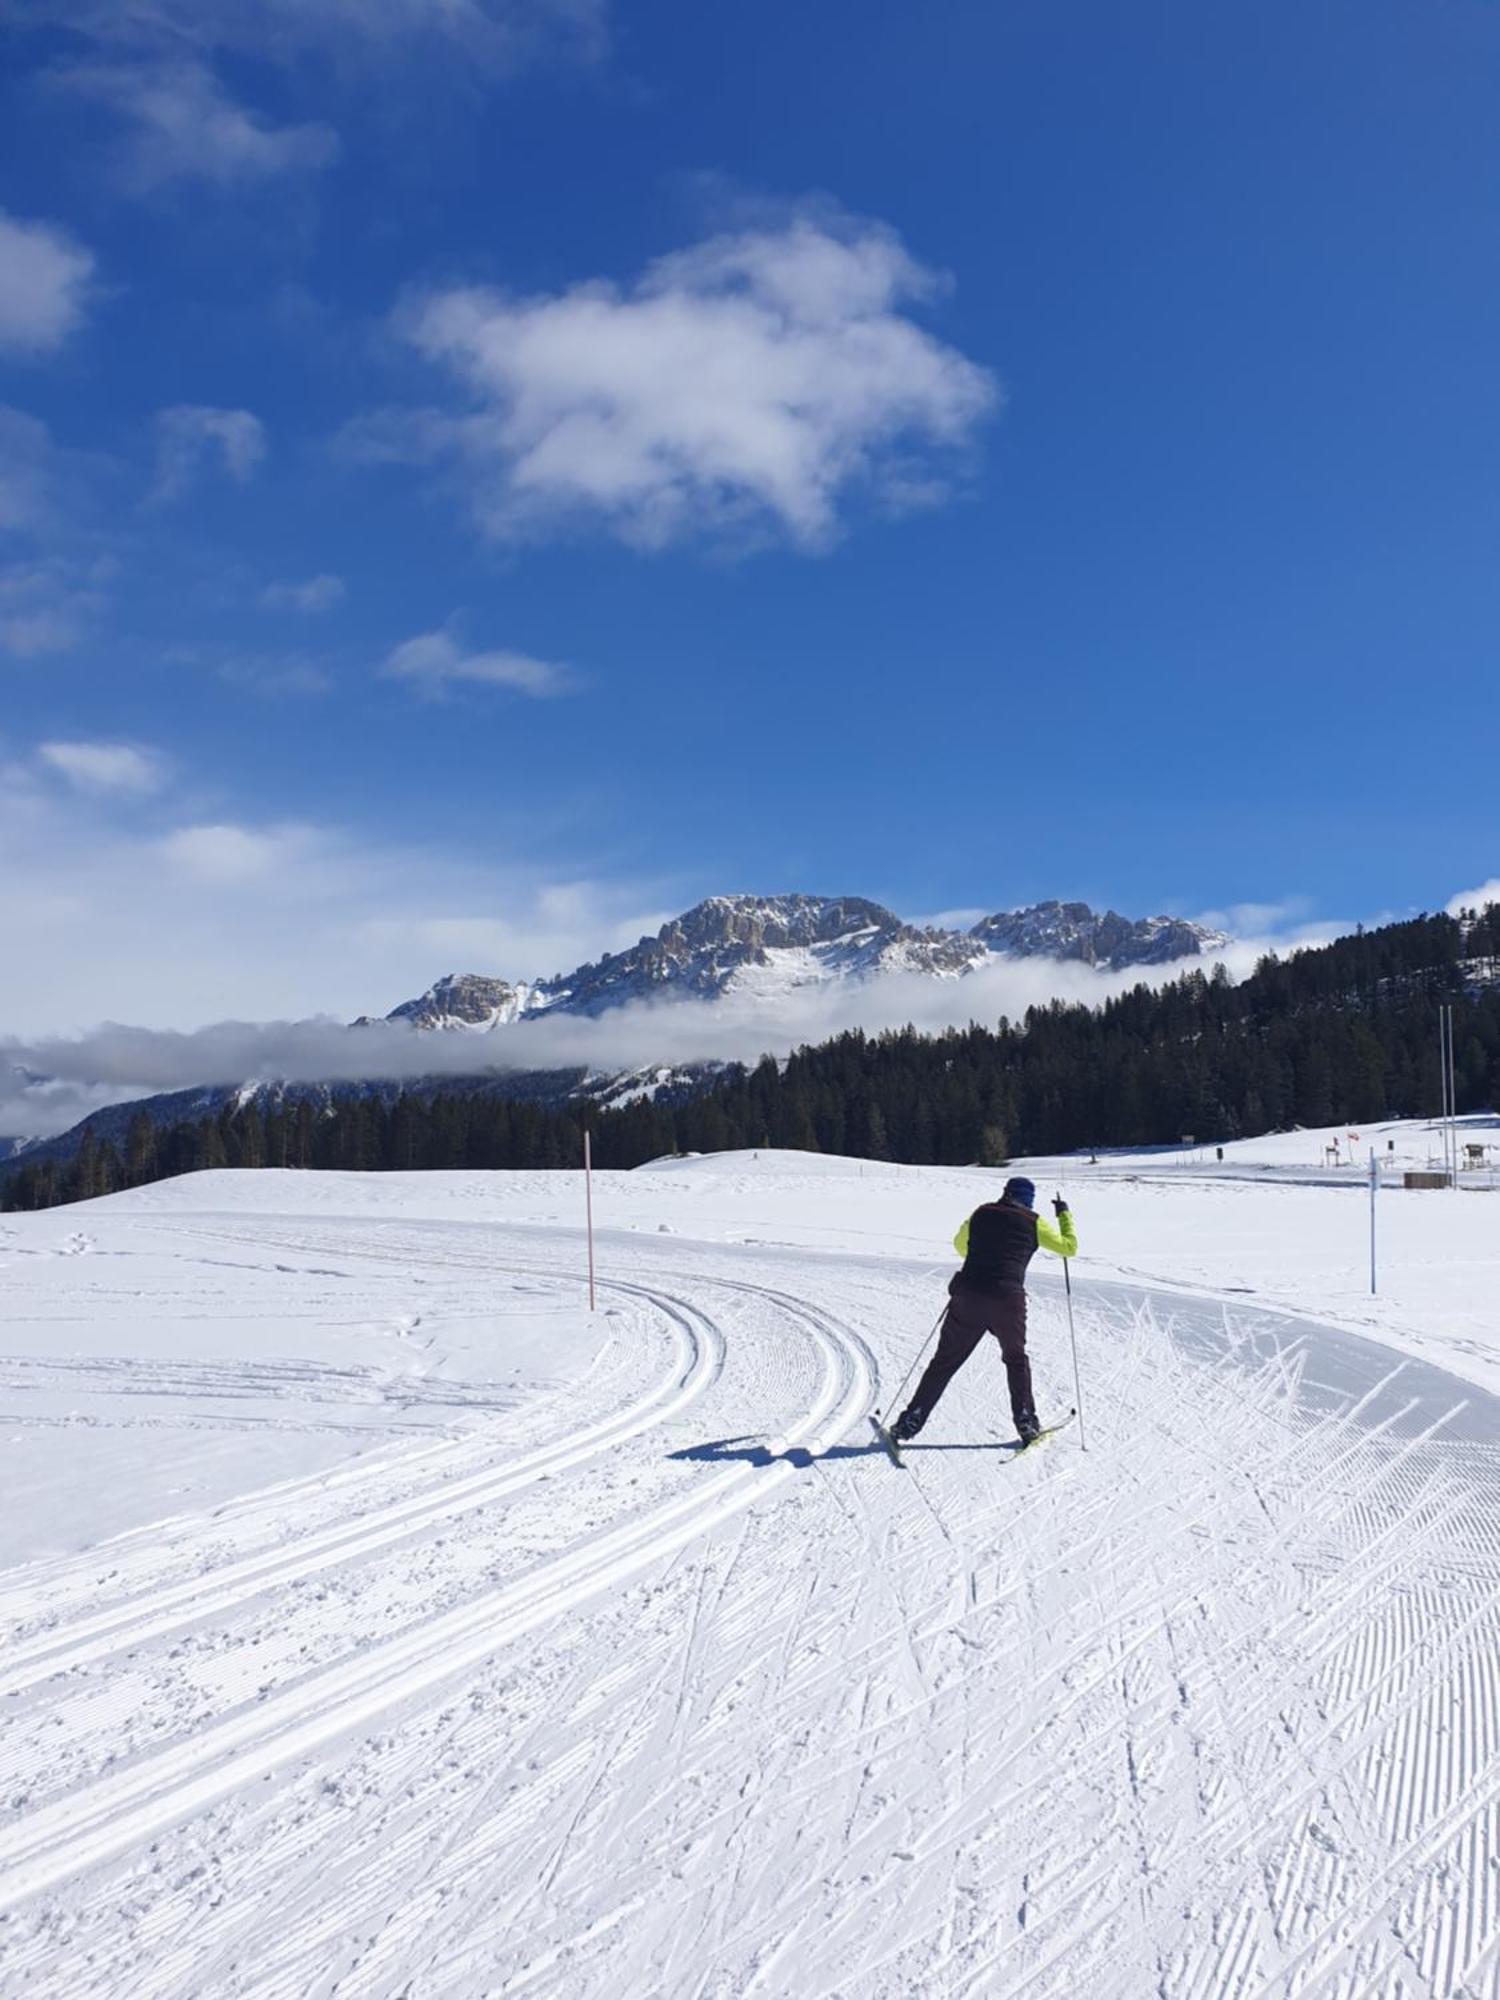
{"x": 632, "y": 1667}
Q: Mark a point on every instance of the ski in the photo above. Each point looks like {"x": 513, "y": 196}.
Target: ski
{"x": 892, "y": 1449}
{"x": 1041, "y": 1437}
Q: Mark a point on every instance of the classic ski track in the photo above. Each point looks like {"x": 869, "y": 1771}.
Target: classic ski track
{"x": 42, "y": 1582}
{"x": 697, "y": 1360}
{"x": 122, "y": 1809}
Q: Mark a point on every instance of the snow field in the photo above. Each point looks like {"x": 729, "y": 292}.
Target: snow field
{"x": 665, "y": 1681}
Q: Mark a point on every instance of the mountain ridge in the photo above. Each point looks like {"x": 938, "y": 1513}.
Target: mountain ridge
{"x": 732, "y": 943}
{"x": 763, "y": 947}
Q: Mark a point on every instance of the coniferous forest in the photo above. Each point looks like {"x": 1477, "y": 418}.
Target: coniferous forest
{"x": 1346, "y": 1032}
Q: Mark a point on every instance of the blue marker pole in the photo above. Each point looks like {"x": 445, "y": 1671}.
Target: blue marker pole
{"x": 1374, "y": 1190}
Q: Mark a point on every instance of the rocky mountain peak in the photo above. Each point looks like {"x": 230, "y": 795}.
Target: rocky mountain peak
{"x": 461, "y": 999}
{"x": 1105, "y": 940}
{"x": 766, "y": 945}
{"x": 775, "y": 922}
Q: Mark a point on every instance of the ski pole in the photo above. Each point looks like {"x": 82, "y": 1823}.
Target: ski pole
{"x": 1083, "y": 1444}
{"x": 913, "y": 1368}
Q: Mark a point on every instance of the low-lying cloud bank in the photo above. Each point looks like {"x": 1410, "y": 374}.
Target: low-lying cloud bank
{"x": 48, "y": 1084}
{"x": 1476, "y": 899}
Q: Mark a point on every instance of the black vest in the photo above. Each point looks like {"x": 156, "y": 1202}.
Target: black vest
{"x": 1002, "y": 1242}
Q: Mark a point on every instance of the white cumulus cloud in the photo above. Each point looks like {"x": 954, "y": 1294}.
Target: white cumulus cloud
{"x": 433, "y": 661}
{"x": 753, "y": 382}
{"x": 44, "y": 285}
{"x": 104, "y": 767}
{"x": 1476, "y": 899}
{"x": 193, "y": 435}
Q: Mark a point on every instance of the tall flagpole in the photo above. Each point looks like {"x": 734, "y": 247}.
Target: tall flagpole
{"x": 588, "y": 1201}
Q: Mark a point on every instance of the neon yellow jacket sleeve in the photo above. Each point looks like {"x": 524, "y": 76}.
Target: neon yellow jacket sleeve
{"x": 1062, "y": 1241}
{"x": 961, "y": 1241}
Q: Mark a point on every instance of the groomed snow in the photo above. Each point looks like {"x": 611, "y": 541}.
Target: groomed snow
{"x": 449, "y": 1640}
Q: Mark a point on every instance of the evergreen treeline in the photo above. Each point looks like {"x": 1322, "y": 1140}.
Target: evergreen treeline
{"x": 1344, "y": 1033}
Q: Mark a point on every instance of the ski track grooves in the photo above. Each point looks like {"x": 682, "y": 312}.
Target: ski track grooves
{"x": 698, "y": 1358}
{"x": 133, "y": 1805}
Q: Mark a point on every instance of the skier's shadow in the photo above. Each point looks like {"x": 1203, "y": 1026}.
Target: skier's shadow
{"x": 753, "y": 1451}
{"x": 747, "y": 1450}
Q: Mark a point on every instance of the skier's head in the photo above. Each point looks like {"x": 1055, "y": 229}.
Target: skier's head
{"x": 1021, "y": 1190}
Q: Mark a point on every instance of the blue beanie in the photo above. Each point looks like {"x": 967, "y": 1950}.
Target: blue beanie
{"x": 1023, "y": 1191}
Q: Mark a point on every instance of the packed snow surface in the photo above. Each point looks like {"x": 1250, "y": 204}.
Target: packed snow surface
{"x": 383, "y": 1622}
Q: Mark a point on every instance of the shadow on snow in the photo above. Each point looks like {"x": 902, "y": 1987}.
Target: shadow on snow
{"x": 747, "y": 1450}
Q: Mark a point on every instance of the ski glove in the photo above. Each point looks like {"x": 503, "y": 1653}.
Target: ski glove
{"x": 1059, "y": 1206}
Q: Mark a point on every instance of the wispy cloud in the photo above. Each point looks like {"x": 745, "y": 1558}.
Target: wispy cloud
{"x": 223, "y": 854}
{"x": 276, "y": 676}
{"x": 105, "y": 767}
{"x": 497, "y": 33}
{"x": 192, "y": 436}
{"x": 433, "y": 662}
{"x": 47, "y": 604}
{"x": 273, "y": 672}
{"x": 31, "y": 472}
{"x": 750, "y": 385}
{"x": 184, "y": 126}
{"x": 28, "y": 633}
{"x": 53, "y": 584}
{"x": 44, "y": 285}
{"x": 159, "y": 65}
{"x": 173, "y": 907}
{"x": 36, "y": 616}
{"x": 1286, "y": 923}
{"x": 317, "y": 593}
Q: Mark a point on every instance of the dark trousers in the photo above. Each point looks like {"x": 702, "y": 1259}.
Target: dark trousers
{"x": 971, "y": 1314}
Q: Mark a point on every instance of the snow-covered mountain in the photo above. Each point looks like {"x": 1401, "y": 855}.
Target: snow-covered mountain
{"x": 771, "y": 944}
{"x": 764, "y": 947}
{"x": 1109, "y": 941}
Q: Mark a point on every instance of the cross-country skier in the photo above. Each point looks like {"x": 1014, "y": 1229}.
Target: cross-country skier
{"x": 988, "y": 1295}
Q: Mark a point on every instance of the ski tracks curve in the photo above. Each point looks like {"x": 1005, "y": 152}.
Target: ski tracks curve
{"x": 137, "y": 1619}
{"x": 130, "y": 1806}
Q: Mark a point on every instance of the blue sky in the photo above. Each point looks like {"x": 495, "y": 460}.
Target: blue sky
{"x": 471, "y": 486}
